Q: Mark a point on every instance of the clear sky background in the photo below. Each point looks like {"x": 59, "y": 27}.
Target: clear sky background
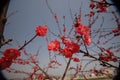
{"x": 28, "y": 14}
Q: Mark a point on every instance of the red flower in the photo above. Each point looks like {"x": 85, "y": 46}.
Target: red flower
{"x": 67, "y": 52}
{"x": 50, "y": 66}
{"x": 105, "y": 58}
{"x": 21, "y": 62}
{"x": 109, "y": 52}
{"x": 115, "y": 30}
{"x": 35, "y": 68}
{"x": 54, "y": 45}
{"x": 78, "y": 21}
{"x": 92, "y": 5}
{"x": 114, "y": 59}
{"x": 82, "y": 30}
{"x": 64, "y": 29}
{"x": 77, "y": 24}
{"x": 62, "y": 37}
{"x": 76, "y": 59}
{"x": 117, "y": 34}
{"x": 66, "y": 42}
{"x": 87, "y": 39}
{"x": 12, "y": 53}
{"x": 102, "y": 57}
{"x": 109, "y": 58}
{"x": 5, "y": 63}
{"x": 41, "y": 30}
{"x": 91, "y": 14}
{"x": 102, "y": 7}
{"x": 74, "y": 47}
{"x": 70, "y": 48}
{"x": 85, "y": 32}
{"x": 95, "y": 71}
{"x": 41, "y": 77}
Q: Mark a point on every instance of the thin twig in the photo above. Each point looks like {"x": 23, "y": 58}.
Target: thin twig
{"x": 43, "y": 72}
{"x": 88, "y": 55}
{"x": 5, "y": 42}
{"x": 26, "y": 43}
{"x": 85, "y": 45}
{"x": 66, "y": 69}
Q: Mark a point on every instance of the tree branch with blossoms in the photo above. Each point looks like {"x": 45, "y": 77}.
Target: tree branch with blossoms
{"x": 78, "y": 42}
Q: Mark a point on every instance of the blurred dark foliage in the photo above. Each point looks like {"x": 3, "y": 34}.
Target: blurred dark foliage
{"x": 3, "y": 11}
{"x": 117, "y": 77}
{"x": 2, "y": 76}
{"x": 117, "y": 4}
{"x": 2, "y": 3}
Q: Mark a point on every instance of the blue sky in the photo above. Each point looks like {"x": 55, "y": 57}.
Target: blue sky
{"x": 31, "y": 13}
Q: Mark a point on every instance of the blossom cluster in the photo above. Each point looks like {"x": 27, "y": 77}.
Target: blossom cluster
{"x": 101, "y": 6}
{"x": 8, "y": 56}
{"x": 66, "y": 48}
{"x": 41, "y": 30}
{"x": 70, "y": 48}
{"x": 83, "y": 30}
{"x": 108, "y": 55}
{"x": 11, "y": 54}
